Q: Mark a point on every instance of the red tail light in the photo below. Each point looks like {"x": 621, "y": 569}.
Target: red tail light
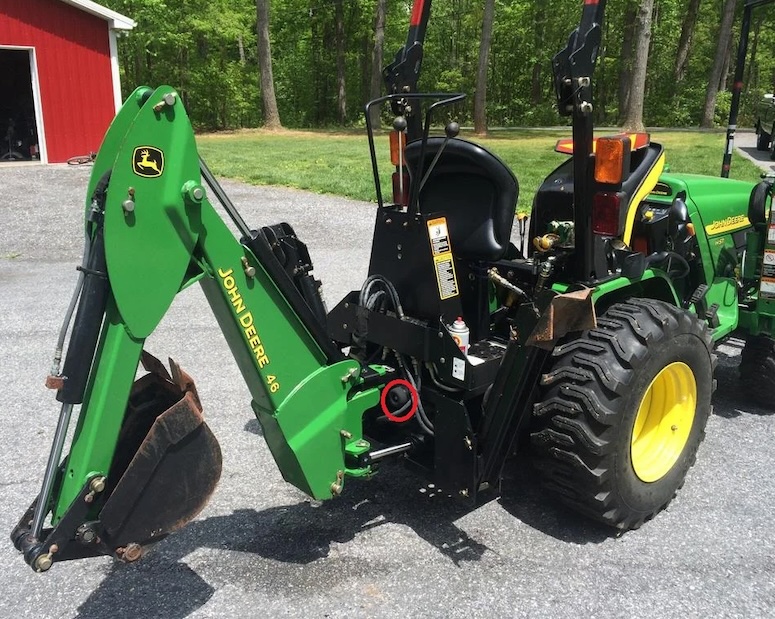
{"x": 605, "y": 213}
{"x": 400, "y": 188}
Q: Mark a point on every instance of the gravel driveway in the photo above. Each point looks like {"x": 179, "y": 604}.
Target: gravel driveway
{"x": 389, "y": 547}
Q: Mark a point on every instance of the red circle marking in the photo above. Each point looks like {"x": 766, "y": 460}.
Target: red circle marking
{"x": 413, "y": 393}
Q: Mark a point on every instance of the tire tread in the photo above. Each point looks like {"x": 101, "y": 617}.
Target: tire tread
{"x": 575, "y": 425}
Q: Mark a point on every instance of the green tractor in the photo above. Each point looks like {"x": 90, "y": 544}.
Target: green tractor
{"x": 591, "y": 346}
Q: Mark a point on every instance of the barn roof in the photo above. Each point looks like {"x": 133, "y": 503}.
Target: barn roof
{"x": 115, "y": 20}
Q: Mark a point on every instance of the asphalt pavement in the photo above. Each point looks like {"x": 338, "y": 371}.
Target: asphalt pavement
{"x": 389, "y": 547}
{"x": 745, "y": 144}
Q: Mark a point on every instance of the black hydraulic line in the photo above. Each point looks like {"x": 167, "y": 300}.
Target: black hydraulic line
{"x": 88, "y": 321}
{"x": 257, "y": 243}
{"x": 227, "y": 204}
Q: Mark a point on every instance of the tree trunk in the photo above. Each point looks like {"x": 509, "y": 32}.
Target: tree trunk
{"x": 633, "y": 118}
{"x": 377, "y": 58}
{"x": 722, "y": 83}
{"x": 271, "y": 114}
{"x": 539, "y": 25}
{"x": 722, "y": 48}
{"x": 748, "y": 78}
{"x": 625, "y": 64}
{"x": 341, "y": 90}
{"x": 241, "y": 49}
{"x": 480, "y": 97}
{"x": 685, "y": 42}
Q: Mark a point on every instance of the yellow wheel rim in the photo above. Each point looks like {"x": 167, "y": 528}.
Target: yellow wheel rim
{"x": 664, "y": 421}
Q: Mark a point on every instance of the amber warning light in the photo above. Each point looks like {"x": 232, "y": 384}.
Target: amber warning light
{"x": 397, "y": 146}
{"x": 612, "y": 160}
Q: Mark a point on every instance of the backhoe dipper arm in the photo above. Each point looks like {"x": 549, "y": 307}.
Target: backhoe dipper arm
{"x": 142, "y": 461}
{"x": 573, "y": 68}
{"x": 402, "y": 75}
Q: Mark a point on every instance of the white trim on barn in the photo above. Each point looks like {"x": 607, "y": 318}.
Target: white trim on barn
{"x": 36, "y": 100}
{"x": 37, "y": 103}
{"x": 115, "y": 75}
{"x": 117, "y": 21}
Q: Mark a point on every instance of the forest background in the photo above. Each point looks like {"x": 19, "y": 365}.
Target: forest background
{"x": 326, "y": 56}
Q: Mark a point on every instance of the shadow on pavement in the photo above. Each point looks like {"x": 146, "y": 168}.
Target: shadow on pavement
{"x": 731, "y": 400}
{"x": 525, "y": 499}
{"x": 300, "y": 534}
{"x": 291, "y": 536}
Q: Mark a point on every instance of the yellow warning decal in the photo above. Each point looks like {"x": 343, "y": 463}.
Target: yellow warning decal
{"x": 445, "y": 276}
{"x": 767, "y": 283}
{"x": 727, "y": 225}
{"x": 437, "y": 231}
{"x": 443, "y": 263}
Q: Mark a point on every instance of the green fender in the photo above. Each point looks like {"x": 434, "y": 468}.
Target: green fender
{"x": 654, "y": 284}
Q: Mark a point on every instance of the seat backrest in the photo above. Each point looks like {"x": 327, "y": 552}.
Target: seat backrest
{"x": 757, "y": 203}
{"x": 473, "y": 189}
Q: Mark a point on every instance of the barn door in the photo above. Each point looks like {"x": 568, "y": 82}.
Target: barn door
{"x": 19, "y": 106}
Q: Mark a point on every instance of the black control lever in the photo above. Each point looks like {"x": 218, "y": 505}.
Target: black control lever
{"x": 450, "y": 131}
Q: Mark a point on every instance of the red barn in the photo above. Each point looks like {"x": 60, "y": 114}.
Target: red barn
{"x": 59, "y": 81}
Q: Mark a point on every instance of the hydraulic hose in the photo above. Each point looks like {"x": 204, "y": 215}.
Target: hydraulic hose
{"x": 379, "y": 294}
{"x": 56, "y": 363}
{"x": 94, "y": 216}
{"x": 659, "y": 257}
{"x": 87, "y": 325}
{"x": 93, "y": 299}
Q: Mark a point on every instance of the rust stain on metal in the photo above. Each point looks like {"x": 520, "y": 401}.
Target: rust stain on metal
{"x": 152, "y": 365}
{"x": 55, "y": 382}
{"x": 132, "y": 552}
{"x": 572, "y": 311}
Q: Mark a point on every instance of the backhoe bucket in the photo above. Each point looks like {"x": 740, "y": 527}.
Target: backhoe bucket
{"x": 166, "y": 465}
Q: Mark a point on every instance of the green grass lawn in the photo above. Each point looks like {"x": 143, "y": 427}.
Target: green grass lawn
{"x": 338, "y": 163}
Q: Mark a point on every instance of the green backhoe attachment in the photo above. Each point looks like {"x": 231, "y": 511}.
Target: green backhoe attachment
{"x": 143, "y": 461}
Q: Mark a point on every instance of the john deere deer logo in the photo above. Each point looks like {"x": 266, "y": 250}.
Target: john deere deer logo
{"x": 148, "y": 161}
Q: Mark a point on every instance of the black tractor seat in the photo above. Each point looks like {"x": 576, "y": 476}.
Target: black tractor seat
{"x": 473, "y": 189}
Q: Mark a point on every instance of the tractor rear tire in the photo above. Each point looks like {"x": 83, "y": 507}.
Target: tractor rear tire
{"x": 623, "y": 410}
{"x": 757, "y": 371}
